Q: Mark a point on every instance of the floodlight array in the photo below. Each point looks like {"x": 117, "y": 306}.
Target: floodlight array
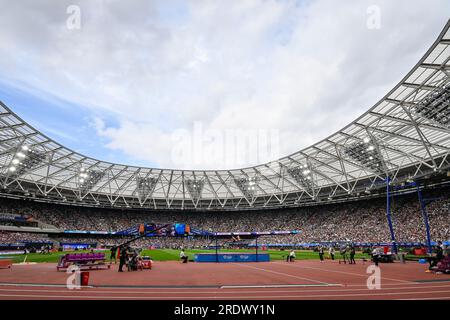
{"x": 24, "y": 160}
{"x": 435, "y": 106}
{"x": 303, "y": 176}
{"x": 247, "y": 185}
{"x": 87, "y": 179}
{"x": 367, "y": 154}
{"x": 145, "y": 187}
{"x": 195, "y": 188}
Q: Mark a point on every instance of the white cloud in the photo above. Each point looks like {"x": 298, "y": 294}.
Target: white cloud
{"x": 304, "y": 68}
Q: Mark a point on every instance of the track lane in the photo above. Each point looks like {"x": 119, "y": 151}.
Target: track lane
{"x": 307, "y": 280}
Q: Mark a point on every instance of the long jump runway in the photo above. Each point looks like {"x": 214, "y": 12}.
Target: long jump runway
{"x": 302, "y": 280}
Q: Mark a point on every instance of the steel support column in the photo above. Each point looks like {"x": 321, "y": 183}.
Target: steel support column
{"x": 389, "y": 217}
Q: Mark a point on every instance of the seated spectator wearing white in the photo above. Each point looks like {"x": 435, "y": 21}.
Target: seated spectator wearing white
{"x": 376, "y": 253}
{"x": 183, "y": 256}
{"x": 291, "y": 257}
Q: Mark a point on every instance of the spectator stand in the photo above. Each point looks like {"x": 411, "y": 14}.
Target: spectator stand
{"x": 359, "y": 221}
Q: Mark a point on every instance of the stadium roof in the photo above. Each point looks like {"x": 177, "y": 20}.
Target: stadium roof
{"x": 404, "y": 136}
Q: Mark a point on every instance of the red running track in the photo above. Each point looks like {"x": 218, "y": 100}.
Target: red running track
{"x": 302, "y": 280}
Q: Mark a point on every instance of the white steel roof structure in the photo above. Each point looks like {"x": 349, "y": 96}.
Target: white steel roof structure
{"x": 405, "y": 135}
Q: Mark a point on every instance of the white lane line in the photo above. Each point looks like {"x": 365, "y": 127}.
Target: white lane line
{"x": 322, "y": 296}
{"x": 342, "y": 272}
{"x": 282, "y": 286}
{"x": 395, "y": 285}
{"x": 218, "y": 291}
{"x": 102, "y": 287}
{"x": 282, "y": 273}
{"x": 226, "y": 287}
{"x": 38, "y": 285}
{"x": 436, "y": 298}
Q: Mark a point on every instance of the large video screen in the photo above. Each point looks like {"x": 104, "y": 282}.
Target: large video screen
{"x": 162, "y": 230}
{"x": 180, "y": 228}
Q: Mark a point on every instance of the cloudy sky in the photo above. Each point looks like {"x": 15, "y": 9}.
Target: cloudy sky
{"x": 171, "y": 84}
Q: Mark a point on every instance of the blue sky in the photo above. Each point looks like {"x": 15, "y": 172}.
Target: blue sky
{"x": 137, "y": 74}
{"x": 67, "y": 123}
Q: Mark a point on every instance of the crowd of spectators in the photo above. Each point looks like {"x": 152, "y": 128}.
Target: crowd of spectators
{"x": 359, "y": 221}
{"x": 14, "y": 237}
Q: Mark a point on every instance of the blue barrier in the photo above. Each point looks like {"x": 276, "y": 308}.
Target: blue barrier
{"x": 422, "y": 261}
{"x": 231, "y": 257}
{"x": 79, "y": 246}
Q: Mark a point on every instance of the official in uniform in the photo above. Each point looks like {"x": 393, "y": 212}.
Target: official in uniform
{"x": 321, "y": 251}
{"x": 123, "y": 257}
{"x": 352, "y": 255}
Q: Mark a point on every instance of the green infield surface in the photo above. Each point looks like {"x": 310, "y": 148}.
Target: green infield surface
{"x": 173, "y": 255}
